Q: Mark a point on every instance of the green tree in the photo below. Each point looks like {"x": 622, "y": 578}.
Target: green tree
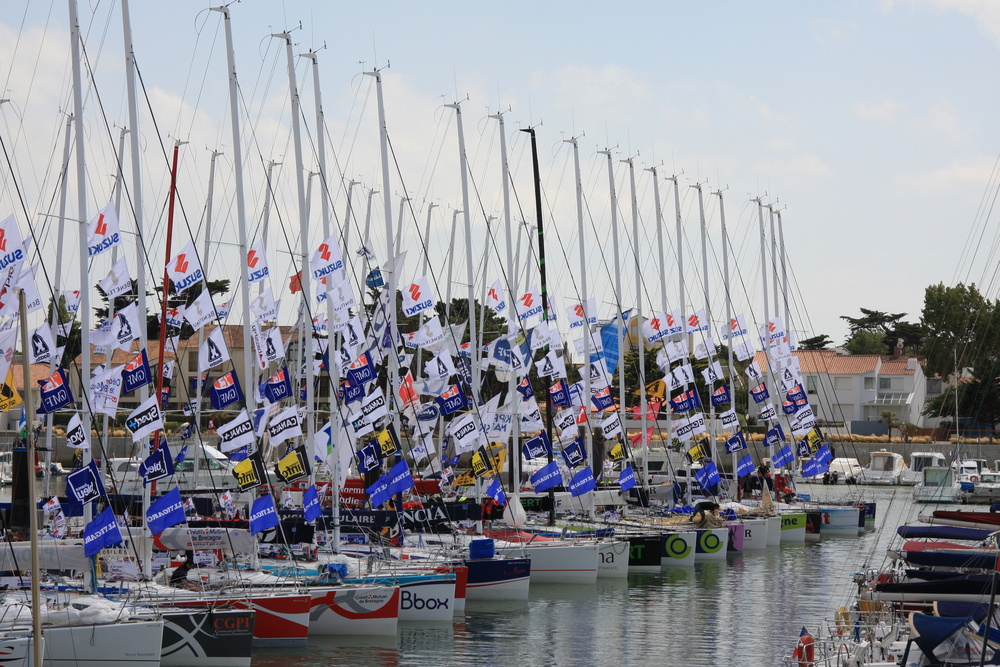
{"x": 866, "y": 342}
{"x": 889, "y": 418}
{"x": 978, "y": 399}
{"x": 891, "y": 328}
{"x": 815, "y": 343}
{"x": 960, "y": 324}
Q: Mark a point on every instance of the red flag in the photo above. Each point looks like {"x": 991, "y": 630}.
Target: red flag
{"x": 407, "y": 394}
{"x": 295, "y": 283}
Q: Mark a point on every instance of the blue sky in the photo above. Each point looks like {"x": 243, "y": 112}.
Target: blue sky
{"x": 870, "y": 123}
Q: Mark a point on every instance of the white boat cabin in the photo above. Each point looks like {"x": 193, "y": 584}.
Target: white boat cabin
{"x": 919, "y": 461}
{"x": 884, "y": 468}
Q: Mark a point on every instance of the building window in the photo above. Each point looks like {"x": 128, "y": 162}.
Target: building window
{"x": 843, "y": 383}
{"x": 810, "y": 384}
{"x": 869, "y": 383}
{"x": 884, "y": 384}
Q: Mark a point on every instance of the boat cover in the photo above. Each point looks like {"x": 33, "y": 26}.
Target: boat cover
{"x": 943, "y": 532}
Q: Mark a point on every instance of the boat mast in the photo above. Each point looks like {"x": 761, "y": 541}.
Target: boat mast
{"x": 766, "y": 338}
{"x": 729, "y": 312}
{"x": 266, "y": 218}
{"x": 305, "y": 275}
{"x": 56, "y": 310}
{"x": 640, "y": 343}
{"x": 333, "y": 368}
{"x": 140, "y": 249}
{"x": 36, "y": 616}
{"x": 81, "y": 194}
{"x": 241, "y": 218}
{"x": 467, "y": 219}
{"x": 514, "y": 452}
{"x": 545, "y": 295}
{"x": 774, "y": 261}
{"x": 584, "y": 296}
{"x": 784, "y": 279}
{"x": 618, "y": 297}
{"x": 680, "y": 293}
{"x": 708, "y": 317}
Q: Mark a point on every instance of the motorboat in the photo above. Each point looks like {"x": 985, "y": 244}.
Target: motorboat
{"x": 884, "y": 469}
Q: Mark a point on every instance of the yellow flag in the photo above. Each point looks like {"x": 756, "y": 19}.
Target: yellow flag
{"x": 617, "y": 452}
{"x": 9, "y": 398}
{"x": 249, "y": 473}
{"x": 480, "y": 462}
{"x": 697, "y": 453}
{"x": 293, "y": 466}
{"x": 813, "y": 438}
{"x": 388, "y": 443}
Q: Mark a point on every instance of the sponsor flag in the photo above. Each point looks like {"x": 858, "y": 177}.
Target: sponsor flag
{"x": 181, "y": 455}
{"x": 603, "y": 399}
{"x": 55, "y": 393}
{"x": 546, "y": 477}
{"x": 408, "y": 397}
{"x": 105, "y": 391}
{"x": 361, "y": 370}
{"x": 720, "y": 396}
{"x": 250, "y": 472}
{"x": 136, "y": 373}
{"x": 736, "y": 443}
{"x": 273, "y": 347}
{"x": 559, "y": 394}
{"x": 495, "y": 491}
{"x": 102, "y": 532}
{"x": 697, "y": 453}
{"x": 368, "y": 458}
{"x": 626, "y": 478}
{"x": 729, "y": 418}
{"x": 452, "y": 400}
{"x": 397, "y": 480}
{"x": 528, "y": 304}
{"x": 582, "y": 482}
{"x": 311, "y": 509}
{"x": 236, "y": 433}
{"x": 465, "y": 433}
{"x": 53, "y": 505}
{"x": 774, "y": 436}
{"x": 374, "y": 407}
{"x": 257, "y": 263}
{"x": 213, "y": 351}
{"x": 145, "y": 419}
{"x": 573, "y": 453}
{"x": 201, "y": 311}
{"x": 226, "y": 391}
{"x": 387, "y": 441}
{"x": 708, "y": 476}
{"x": 713, "y": 373}
{"x": 103, "y": 232}
{"x": 76, "y": 435}
{"x": 612, "y": 425}
{"x": 165, "y": 511}
{"x": 686, "y": 400}
{"x": 760, "y": 393}
{"x": 768, "y": 412}
{"x": 481, "y": 463}
{"x": 782, "y": 457}
{"x": 525, "y": 389}
{"x": 85, "y": 483}
{"x": 327, "y": 259}
{"x": 744, "y": 466}
{"x": 157, "y": 465}
{"x": 617, "y": 453}
{"x": 537, "y": 446}
{"x": 43, "y": 347}
{"x": 696, "y": 322}
{"x": 824, "y": 455}
{"x": 495, "y": 298}
{"x": 263, "y": 514}
{"x": 294, "y": 465}
{"x": 813, "y": 467}
{"x": 184, "y": 269}
{"x": 9, "y": 397}
{"x": 278, "y": 386}
{"x": 284, "y": 426}
{"x": 417, "y": 297}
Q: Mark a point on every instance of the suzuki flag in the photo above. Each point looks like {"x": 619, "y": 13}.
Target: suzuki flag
{"x": 581, "y": 313}
{"x": 417, "y": 297}
{"x": 103, "y": 232}
{"x": 656, "y": 327}
{"x": 327, "y": 259}
{"x": 737, "y": 327}
{"x": 257, "y": 263}
{"x": 696, "y": 322}
{"x": 529, "y": 304}
{"x": 495, "y": 298}
{"x": 184, "y": 268}
{"x": 145, "y": 419}
{"x": 11, "y": 246}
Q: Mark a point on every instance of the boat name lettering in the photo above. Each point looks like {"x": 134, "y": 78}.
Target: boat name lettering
{"x": 412, "y": 601}
{"x": 231, "y": 623}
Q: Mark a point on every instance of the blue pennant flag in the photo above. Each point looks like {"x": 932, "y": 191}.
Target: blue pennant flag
{"x": 803, "y": 448}
{"x": 720, "y": 396}
{"x": 226, "y": 391}
{"x": 263, "y": 514}
{"x": 278, "y": 386}
{"x": 582, "y": 482}
{"x": 708, "y": 476}
{"x": 525, "y": 389}
{"x": 559, "y": 394}
{"x": 400, "y": 478}
{"x": 157, "y": 465}
{"x": 782, "y": 457}
{"x": 452, "y": 400}
{"x": 775, "y": 436}
{"x": 495, "y": 491}
{"x": 824, "y": 455}
{"x": 84, "y": 484}
{"x": 603, "y": 399}
{"x": 374, "y": 279}
{"x": 537, "y": 446}
{"x": 181, "y": 455}
{"x": 736, "y": 443}
{"x": 686, "y": 400}
{"x": 361, "y": 370}
{"x": 165, "y": 511}
{"x": 55, "y": 392}
{"x": 626, "y": 478}
{"x": 744, "y": 466}
{"x": 609, "y": 341}
{"x": 102, "y": 532}
{"x": 368, "y": 458}
{"x": 812, "y": 467}
{"x": 760, "y": 393}
{"x": 796, "y": 394}
{"x": 547, "y": 477}
{"x": 311, "y": 509}
{"x": 240, "y": 454}
{"x": 350, "y": 393}
{"x": 453, "y": 461}
{"x": 574, "y": 454}
{"x": 378, "y": 492}
{"x": 789, "y": 407}
{"x": 136, "y": 373}
{"x": 185, "y": 433}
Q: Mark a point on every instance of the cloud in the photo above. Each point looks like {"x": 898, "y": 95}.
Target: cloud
{"x": 947, "y": 179}
{"x": 880, "y": 111}
{"x": 986, "y": 13}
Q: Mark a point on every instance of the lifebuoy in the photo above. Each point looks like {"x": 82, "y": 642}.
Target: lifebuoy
{"x": 805, "y": 651}
{"x": 973, "y": 478}
{"x": 843, "y": 619}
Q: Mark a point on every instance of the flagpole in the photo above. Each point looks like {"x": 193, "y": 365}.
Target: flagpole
{"x": 36, "y": 617}
{"x": 712, "y": 445}
{"x": 640, "y": 343}
{"x": 729, "y": 315}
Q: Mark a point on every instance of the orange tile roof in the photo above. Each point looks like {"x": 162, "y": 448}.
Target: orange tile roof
{"x": 831, "y": 363}
{"x": 38, "y": 372}
{"x": 896, "y": 367}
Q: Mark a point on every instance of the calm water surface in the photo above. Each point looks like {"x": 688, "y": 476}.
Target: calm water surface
{"x": 746, "y": 611}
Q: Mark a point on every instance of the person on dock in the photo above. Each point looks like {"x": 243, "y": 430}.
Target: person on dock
{"x": 179, "y": 577}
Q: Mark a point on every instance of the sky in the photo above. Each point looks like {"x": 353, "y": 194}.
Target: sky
{"x": 866, "y": 124}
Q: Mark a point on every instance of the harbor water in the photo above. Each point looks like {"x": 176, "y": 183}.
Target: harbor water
{"x": 746, "y": 611}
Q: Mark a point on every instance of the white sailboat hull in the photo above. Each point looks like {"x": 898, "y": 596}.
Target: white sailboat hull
{"x": 613, "y": 561}
{"x": 134, "y": 643}
{"x": 562, "y": 563}
{"x": 755, "y": 534}
{"x": 678, "y": 549}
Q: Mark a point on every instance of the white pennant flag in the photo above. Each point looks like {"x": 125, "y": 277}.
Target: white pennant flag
{"x": 656, "y": 327}
{"x": 529, "y": 304}
{"x": 680, "y": 377}
{"x": 737, "y": 327}
{"x": 125, "y": 326}
{"x": 8, "y": 341}
{"x": 374, "y": 406}
{"x": 284, "y": 426}
{"x": 440, "y": 367}
{"x": 612, "y": 425}
{"x": 105, "y": 391}
{"x": 464, "y": 433}
{"x": 103, "y": 231}
{"x": 184, "y": 268}
{"x": 257, "y": 263}
{"x": 341, "y": 295}
{"x": 273, "y": 347}
{"x": 213, "y": 351}
{"x": 552, "y": 365}
{"x": 696, "y": 322}
{"x": 580, "y": 313}
{"x": 42, "y": 346}
{"x": 11, "y": 246}
{"x": 704, "y": 349}
{"x": 713, "y": 373}
{"x": 729, "y": 419}
{"x": 201, "y": 311}
{"x": 145, "y": 419}
{"x": 264, "y": 306}
{"x": 117, "y": 281}
{"x": 495, "y": 298}
{"x": 77, "y": 437}
{"x": 327, "y": 259}
{"x": 417, "y": 297}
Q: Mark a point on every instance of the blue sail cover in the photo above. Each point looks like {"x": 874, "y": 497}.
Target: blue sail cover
{"x": 974, "y": 610}
{"x": 951, "y": 559}
{"x": 943, "y": 532}
{"x": 930, "y": 631}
